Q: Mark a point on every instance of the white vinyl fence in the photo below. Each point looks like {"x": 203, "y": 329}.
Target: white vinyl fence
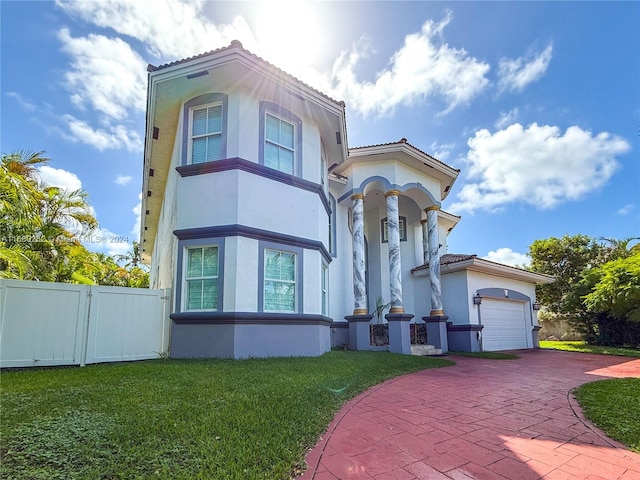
{"x": 44, "y": 324}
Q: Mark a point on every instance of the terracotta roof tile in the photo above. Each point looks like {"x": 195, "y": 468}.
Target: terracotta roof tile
{"x": 447, "y": 259}
{"x": 235, "y": 44}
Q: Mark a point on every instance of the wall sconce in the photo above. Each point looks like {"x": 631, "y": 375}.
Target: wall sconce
{"x": 536, "y": 306}
{"x": 477, "y": 299}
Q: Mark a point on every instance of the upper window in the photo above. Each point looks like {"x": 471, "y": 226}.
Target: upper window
{"x": 279, "y": 144}
{"x": 204, "y": 129}
{"x": 279, "y": 281}
{"x": 206, "y": 134}
{"x": 280, "y": 139}
{"x": 201, "y": 278}
{"x": 402, "y": 224}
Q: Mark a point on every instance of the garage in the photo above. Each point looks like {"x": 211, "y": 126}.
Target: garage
{"x": 505, "y": 326}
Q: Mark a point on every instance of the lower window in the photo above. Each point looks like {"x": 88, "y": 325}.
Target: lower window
{"x": 279, "y": 281}
{"x": 201, "y": 278}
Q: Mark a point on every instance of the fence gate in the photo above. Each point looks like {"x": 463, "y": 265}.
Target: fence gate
{"x": 44, "y": 323}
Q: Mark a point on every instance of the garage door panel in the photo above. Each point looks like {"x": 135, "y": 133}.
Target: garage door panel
{"x": 504, "y": 325}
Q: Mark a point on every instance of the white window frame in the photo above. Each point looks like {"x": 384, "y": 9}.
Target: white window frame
{"x": 186, "y": 278}
{"x": 324, "y": 286}
{"x": 281, "y": 119}
{"x": 220, "y": 133}
{"x": 293, "y": 282}
{"x": 402, "y": 227}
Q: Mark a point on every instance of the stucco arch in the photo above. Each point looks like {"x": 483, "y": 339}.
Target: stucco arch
{"x": 416, "y": 191}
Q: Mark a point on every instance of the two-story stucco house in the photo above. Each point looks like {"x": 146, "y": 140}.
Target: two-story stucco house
{"x": 276, "y": 239}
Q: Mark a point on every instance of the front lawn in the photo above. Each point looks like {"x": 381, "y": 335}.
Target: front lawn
{"x": 586, "y": 348}
{"x": 613, "y": 406}
{"x": 181, "y": 419}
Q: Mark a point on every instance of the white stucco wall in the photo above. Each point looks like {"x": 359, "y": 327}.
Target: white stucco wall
{"x": 341, "y": 301}
{"x": 396, "y": 172}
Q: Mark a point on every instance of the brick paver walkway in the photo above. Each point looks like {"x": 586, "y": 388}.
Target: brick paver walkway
{"x": 481, "y": 419}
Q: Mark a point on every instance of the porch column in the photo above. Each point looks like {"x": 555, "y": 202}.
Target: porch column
{"x": 359, "y": 288}
{"x": 425, "y": 241}
{"x": 399, "y": 335}
{"x": 393, "y": 236}
{"x": 434, "y": 260}
{"x": 437, "y": 320}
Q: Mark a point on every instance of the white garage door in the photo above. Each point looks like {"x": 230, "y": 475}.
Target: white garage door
{"x": 504, "y": 325}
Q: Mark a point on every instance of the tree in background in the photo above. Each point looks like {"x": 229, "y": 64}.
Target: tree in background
{"x": 40, "y": 227}
{"x": 588, "y": 272}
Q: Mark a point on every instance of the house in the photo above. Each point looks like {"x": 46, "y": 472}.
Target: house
{"x": 276, "y": 239}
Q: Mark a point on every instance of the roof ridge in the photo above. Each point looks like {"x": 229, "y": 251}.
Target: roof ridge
{"x": 236, "y": 44}
{"x": 403, "y": 141}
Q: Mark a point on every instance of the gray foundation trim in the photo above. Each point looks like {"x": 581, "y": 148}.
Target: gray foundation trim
{"x": 237, "y": 163}
{"x": 262, "y": 246}
{"x": 199, "y": 242}
{"x": 255, "y": 233}
{"x": 203, "y": 100}
{"x": 340, "y": 325}
{"x": 249, "y": 318}
{"x": 464, "y": 328}
{"x": 280, "y": 111}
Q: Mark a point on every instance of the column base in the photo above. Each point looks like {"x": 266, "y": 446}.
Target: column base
{"x": 359, "y": 331}
{"x": 399, "y": 334}
{"x": 437, "y": 331}
{"x": 465, "y": 338}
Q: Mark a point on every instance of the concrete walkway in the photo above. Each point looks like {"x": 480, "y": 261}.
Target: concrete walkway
{"x": 481, "y": 419}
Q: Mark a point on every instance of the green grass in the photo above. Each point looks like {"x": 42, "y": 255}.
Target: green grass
{"x": 489, "y": 355}
{"x": 181, "y": 419}
{"x": 586, "y": 348}
{"x": 613, "y": 406}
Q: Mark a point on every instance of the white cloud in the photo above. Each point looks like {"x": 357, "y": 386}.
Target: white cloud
{"x": 166, "y": 27}
{"x": 23, "y": 102}
{"x": 57, "y": 177}
{"x": 106, "y": 74}
{"x": 110, "y": 137}
{"x": 627, "y": 209}
{"x": 520, "y": 72}
{"x": 441, "y": 151}
{"x": 538, "y": 165}
{"x": 506, "y": 118}
{"x": 137, "y": 210}
{"x": 423, "y": 67}
{"x": 103, "y": 240}
{"x": 507, "y": 256}
{"x": 123, "y": 179}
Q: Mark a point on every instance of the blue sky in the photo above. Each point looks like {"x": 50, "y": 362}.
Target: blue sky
{"x": 538, "y": 103}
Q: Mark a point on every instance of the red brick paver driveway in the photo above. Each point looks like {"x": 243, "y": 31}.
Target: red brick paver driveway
{"x": 481, "y": 419}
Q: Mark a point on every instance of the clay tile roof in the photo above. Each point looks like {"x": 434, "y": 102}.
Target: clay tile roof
{"x": 235, "y": 44}
{"x": 405, "y": 142}
{"x": 446, "y": 259}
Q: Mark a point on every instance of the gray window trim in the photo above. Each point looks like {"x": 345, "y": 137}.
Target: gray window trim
{"x": 180, "y": 280}
{"x": 203, "y": 99}
{"x": 280, "y": 111}
{"x": 262, "y": 246}
{"x": 333, "y": 245}
{"x": 400, "y": 220}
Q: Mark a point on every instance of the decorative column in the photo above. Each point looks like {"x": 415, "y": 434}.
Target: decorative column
{"x": 359, "y": 322}
{"x": 393, "y": 236}
{"x": 359, "y": 287}
{"x": 399, "y": 334}
{"x": 425, "y": 241}
{"x": 434, "y": 260}
{"x": 437, "y": 320}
